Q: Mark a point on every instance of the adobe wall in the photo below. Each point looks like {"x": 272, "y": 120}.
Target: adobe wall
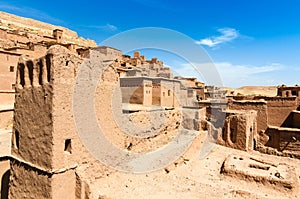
{"x": 27, "y": 181}
{"x": 284, "y": 139}
{"x": 8, "y": 69}
{"x": 6, "y": 118}
{"x": 169, "y": 92}
{"x": 239, "y": 130}
{"x": 7, "y": 97}
{"x": 293, "y": 120}
{"x": 63, "y": 185}
{"x": 156, "y": 94}
{"x": 5, "y": 143}
{"x": 147, "y": 93}
{"x": 279, "y": 108}
{"x": 132, "y": 90}
{"x": 296, "y": 119}
{"x": 192, "y": 118}
{"x": 33, "y": 126}
{"x": 259, "y": 106}
{"x": 46, "y": 148}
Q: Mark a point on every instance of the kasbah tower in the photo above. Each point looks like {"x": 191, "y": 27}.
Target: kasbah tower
{"x": 44, "y": 138}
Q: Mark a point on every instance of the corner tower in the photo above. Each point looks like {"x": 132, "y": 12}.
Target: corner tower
{"x": 44, "y": 143}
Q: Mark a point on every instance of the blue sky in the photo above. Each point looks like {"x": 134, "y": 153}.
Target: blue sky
{"x": 252, "y": 42}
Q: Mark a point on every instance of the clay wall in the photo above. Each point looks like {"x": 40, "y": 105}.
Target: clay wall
{"x": 293, "y": 120}
{"x": 156, "y": 93}
{"x": 17, "y": 37}
{"x": 26, "y": 180}
{"x": 147, "y": 93}
{"x": 169, "y": 92}
{"x": 239, "y": 131}
{"x": 284, "y": 139}
{"x": 278, "y": 109}
{"x": 43, "y": 122}
{"x": 132, "y": 90}
{"x": 5, "y": 142}
{"x": 63, "y": 185}
{"x": 6, "y": 118}
{"x": 192, "y": 118}
{"x": 259, "y": 106}
{"x": 296, "y": 119}
{"x": 111, "y": 53}
{"x": 8, "y": 69}
{"x": 3, "y": 34}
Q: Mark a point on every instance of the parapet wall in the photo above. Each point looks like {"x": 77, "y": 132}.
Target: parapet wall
{"x": 279, "y": 108}
{"x": 284, "y": 139}
{"x": 259, "y": 106}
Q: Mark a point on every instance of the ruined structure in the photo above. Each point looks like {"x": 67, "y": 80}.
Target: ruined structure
{"x": 41, "y": 155}
{"x": 240, "y": 130}
{"x": 280, "y": 176}
{"x": 44, "y": 145}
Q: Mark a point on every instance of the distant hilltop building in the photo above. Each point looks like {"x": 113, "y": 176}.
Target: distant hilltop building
{"x": 27, "y": 37}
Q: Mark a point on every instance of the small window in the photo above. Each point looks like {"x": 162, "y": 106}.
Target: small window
{"x": 16, "y": 139}
{"x": 169, "y": 92}
{"x": 68, "y": 146}
{"x": 232, "y": 135}
{"x": 294, "y": 93}
{"x": 11, "y": 69}
{"x": 13, "y": 86}
{"x": 163, "y": 94}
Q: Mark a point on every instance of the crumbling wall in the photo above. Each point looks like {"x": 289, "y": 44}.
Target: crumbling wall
{"x": 279, "y": 108}
{"x": 240, "y": 131}
{"x": 29, "y": 182}
{"x": 46, "y": 148}
{"x": 259, "y": 106}
{"x": 192, "y": 118}
{"x": 293, "y": 120}
{"x": 284, "y": 139}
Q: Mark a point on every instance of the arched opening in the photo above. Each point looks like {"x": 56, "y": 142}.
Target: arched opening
{"x": 5, "y": 185}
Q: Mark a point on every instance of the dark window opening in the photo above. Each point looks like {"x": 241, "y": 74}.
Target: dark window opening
{"x": 30, "y": 71}
{"x": 223, "y": 134}
{"x": 13, "y": 86}
{"x": 40, "y": 65}
{"x": 5, "y": 185}
{"x": 294, "y": 93}
{"x": 11, "y": 69}
{"x": 17, "y": 140}
{"x": 254, "y": 144}
{"x": 48, "y": 66}
{"x": 68, "y": 146}
{"x": 22, "y": 74}
{"x": 169, "y": 92}
{"x": 232, "y": 135}
{"x": 67, "y": 63}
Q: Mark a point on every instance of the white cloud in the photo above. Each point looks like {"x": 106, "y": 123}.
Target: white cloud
{"x": 234, "y": 75}
{"x": 227, "y": 35}
{"x": 108, "y": 27}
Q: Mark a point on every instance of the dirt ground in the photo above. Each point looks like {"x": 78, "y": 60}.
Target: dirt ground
{"x": 193, "y": 178}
